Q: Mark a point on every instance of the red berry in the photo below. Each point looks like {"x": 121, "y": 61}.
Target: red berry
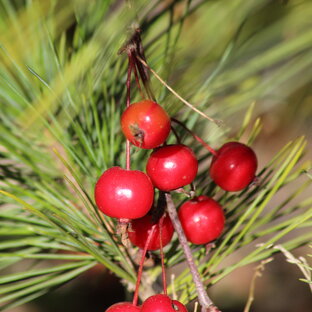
{"x": 202, "y": 220}
{"x": 234, "y": 166}
{"x": 145, "y": 124}
{"x": 124, "y": 194}
{"x": 172, "y": 166}
{"x": 140, "y": 229}
{"x": 162, "y": 303}
{"x": 123, "y": 307}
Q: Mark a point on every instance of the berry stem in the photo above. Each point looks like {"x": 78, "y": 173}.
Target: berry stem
{"x": 135, "y": 48}
{"x": 137, "y": 79}
{"x": 176, "y": 135}
{"x": 136, "y": 293}
{"x": 144, "y": 78}
{"x": 163, "y": 270}
{"x": 217, "y": 122}
{"x": 128, "y": 152}
{"x": 138, "y": 53}
{"x": 197, "y": 138}
{"x": 203, "y": 298}
{"x": 128, "y": 84}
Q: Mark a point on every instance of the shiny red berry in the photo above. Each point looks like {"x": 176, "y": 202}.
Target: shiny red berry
{"x": 234, "y": 166}
{"x": 202, "y": 220}
{"x": 172, "y": 166}
{"x": 124, "y": 194}
{"x": 140, "y": 229}
{"x": 145, "y": 124}
{"x": 123, "y": 307}
{"x": 162, "y": 303}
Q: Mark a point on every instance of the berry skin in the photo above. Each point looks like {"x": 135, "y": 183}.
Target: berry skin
{"x": 145, "y": 124}
{"x": 202, "y": 220}
{"x": 124, "y": 194}
{"x": 172, "y": 166}
{"x": 140, "y": 229}
{"x": 162, "y": 303}
{"x": 234, "y": 166}
{"x": 123, "y": 307}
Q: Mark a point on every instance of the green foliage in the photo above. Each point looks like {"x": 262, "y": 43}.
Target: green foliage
{"x": 62, "y": 90}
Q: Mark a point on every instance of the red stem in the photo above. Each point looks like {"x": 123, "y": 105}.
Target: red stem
{"x": 197, "y": 138}
{"x": 128, "y": 152}
{"x": 204, "y": 144}
{"x": 163, "y": 270}
{"x": 137, "y": 79}
{"x": 136, "y": 293}
{"x": 128, "y": 85}
{"x": 128, "y": 82}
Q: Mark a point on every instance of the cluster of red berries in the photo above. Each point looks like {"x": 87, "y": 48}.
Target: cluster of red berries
{"x": 156, "y": 303}
{"x": 129, "y": 194}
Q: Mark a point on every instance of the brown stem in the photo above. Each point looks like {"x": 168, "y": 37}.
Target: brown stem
{"x": 197, "y": 138}
{"x": 122, "y": 231}
{"x": 203, "y": 298}
{"x": 140, "y": 52}
{"x": 176, "y": 135}
{"x": 135, "y": 48}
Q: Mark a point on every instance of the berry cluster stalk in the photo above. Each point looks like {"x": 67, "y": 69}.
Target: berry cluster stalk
{"x": 137, "y": 63}
{"x": 135, "y": 51}
{"x": 203, "y": 298}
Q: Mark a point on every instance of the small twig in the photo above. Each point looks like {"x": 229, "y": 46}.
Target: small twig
{"x": 122, "y": 227}
{"x": 208, "y": 247}
{"x": 258, "y": 273}
{"x": 217, "y": 122}
{"x": 301, "y": 262}
{"x": 203, "y": 298}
